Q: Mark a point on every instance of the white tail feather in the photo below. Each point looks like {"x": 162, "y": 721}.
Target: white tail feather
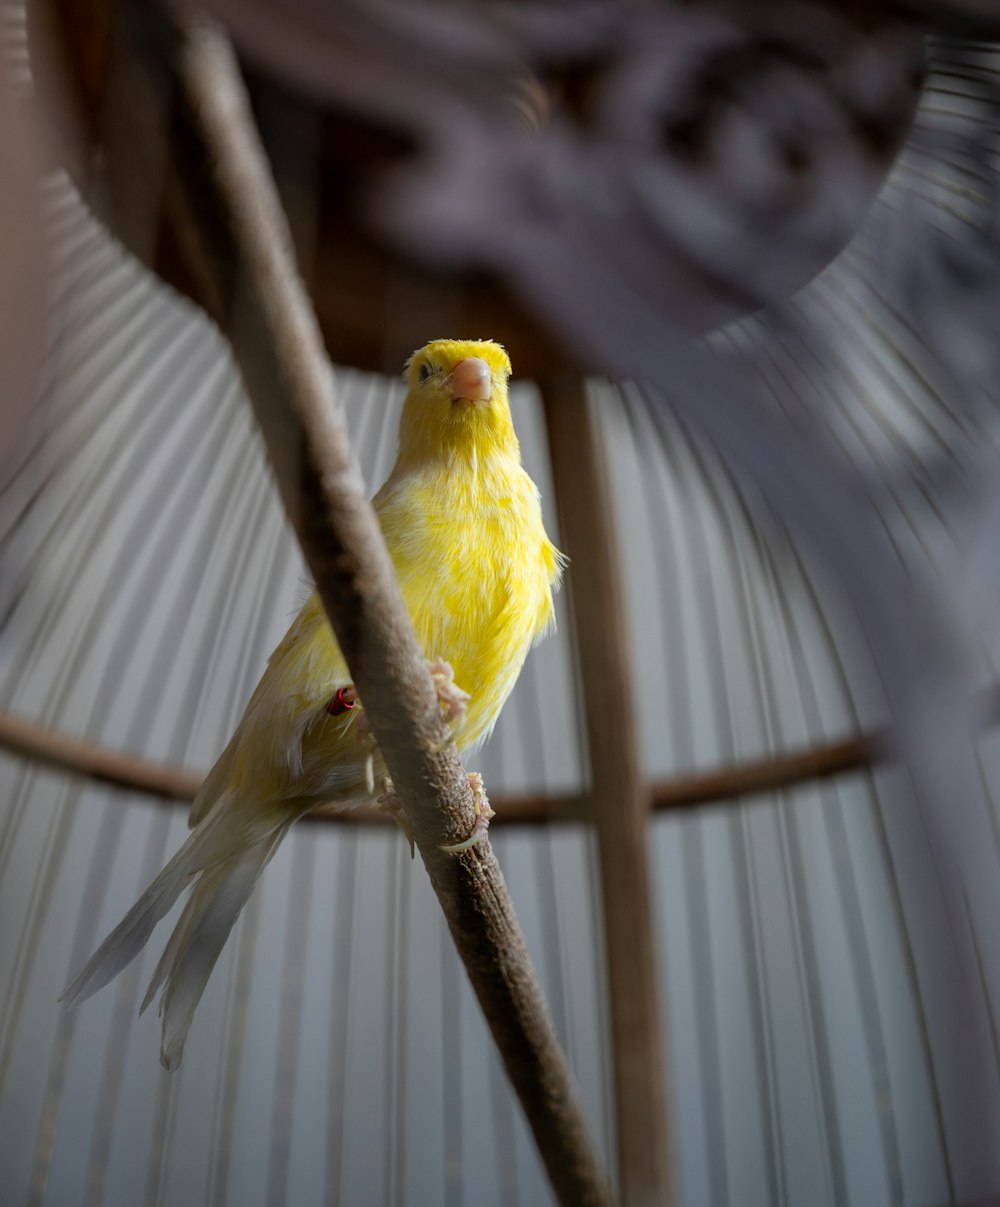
{"x": 224, "y": 835}
{"x": 198, "y": 939}
{"x": 214, "y": 784}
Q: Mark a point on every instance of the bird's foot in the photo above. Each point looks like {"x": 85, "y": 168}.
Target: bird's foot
{"x": 453, "y": 700}
{"x": 388, "y": 802}
{"x": 451, "y": 697}
{"x": 484, "y": 812}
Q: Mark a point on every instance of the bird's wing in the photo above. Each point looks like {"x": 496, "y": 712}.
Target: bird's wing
{"x": 266, "y": 751}
{"x": 553, "y": 562}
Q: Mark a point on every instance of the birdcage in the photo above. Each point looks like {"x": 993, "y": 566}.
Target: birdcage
{"x": 744, "y": 263}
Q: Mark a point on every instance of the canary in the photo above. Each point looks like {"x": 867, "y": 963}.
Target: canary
{"x": 463, "y": 525}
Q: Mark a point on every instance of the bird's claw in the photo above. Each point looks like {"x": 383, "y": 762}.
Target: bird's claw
{"x": 388, "y": 802}
{"x": 453, "y": 700}
{"x": 453, "y": 704}
{"x": 484, "y": 813}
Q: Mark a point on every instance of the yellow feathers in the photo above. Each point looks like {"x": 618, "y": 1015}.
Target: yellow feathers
{"x": 434, "y": 428}
{"x": 463, "y": 526}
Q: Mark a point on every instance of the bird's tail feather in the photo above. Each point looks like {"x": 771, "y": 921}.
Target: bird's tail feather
{"x": 215, "y": 839}
{"x": 194, "y": 947}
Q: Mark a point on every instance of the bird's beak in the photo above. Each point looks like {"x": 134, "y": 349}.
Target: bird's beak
{"x": 470, "y": 380}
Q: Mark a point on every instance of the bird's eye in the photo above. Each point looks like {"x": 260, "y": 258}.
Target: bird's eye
{"x": 423, "y": 372}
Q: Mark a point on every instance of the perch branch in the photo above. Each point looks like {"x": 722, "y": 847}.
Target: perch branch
{"x": 168, "y": 782}
{"x": 277, "y": 346}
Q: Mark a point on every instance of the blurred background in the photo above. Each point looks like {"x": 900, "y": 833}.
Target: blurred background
{"x": 763, "y": 247}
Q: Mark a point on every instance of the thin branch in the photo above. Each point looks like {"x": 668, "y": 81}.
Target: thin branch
{"x": 80, "y": 757}
{"x": 279, "y": 351}
{"x": 728, "y": 785}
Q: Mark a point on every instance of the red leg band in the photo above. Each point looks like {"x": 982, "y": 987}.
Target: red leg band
{"x": 338, "y": 705}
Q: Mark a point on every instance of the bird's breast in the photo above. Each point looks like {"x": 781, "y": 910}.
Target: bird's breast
{"x": 469, "y": 557}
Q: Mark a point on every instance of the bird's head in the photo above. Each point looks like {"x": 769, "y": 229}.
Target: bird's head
{"x": 456, "y": 403}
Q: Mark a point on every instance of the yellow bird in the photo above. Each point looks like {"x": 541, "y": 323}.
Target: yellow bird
{"x": 463, "y": 524}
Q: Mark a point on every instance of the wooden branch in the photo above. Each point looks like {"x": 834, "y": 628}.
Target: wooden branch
{"x": 54, "y": 749}
{"x": 167, "y": 782}
{"x": 734, "y": 784}
{"x": 620, "y": 800}
{"x": 277, "y": 346}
